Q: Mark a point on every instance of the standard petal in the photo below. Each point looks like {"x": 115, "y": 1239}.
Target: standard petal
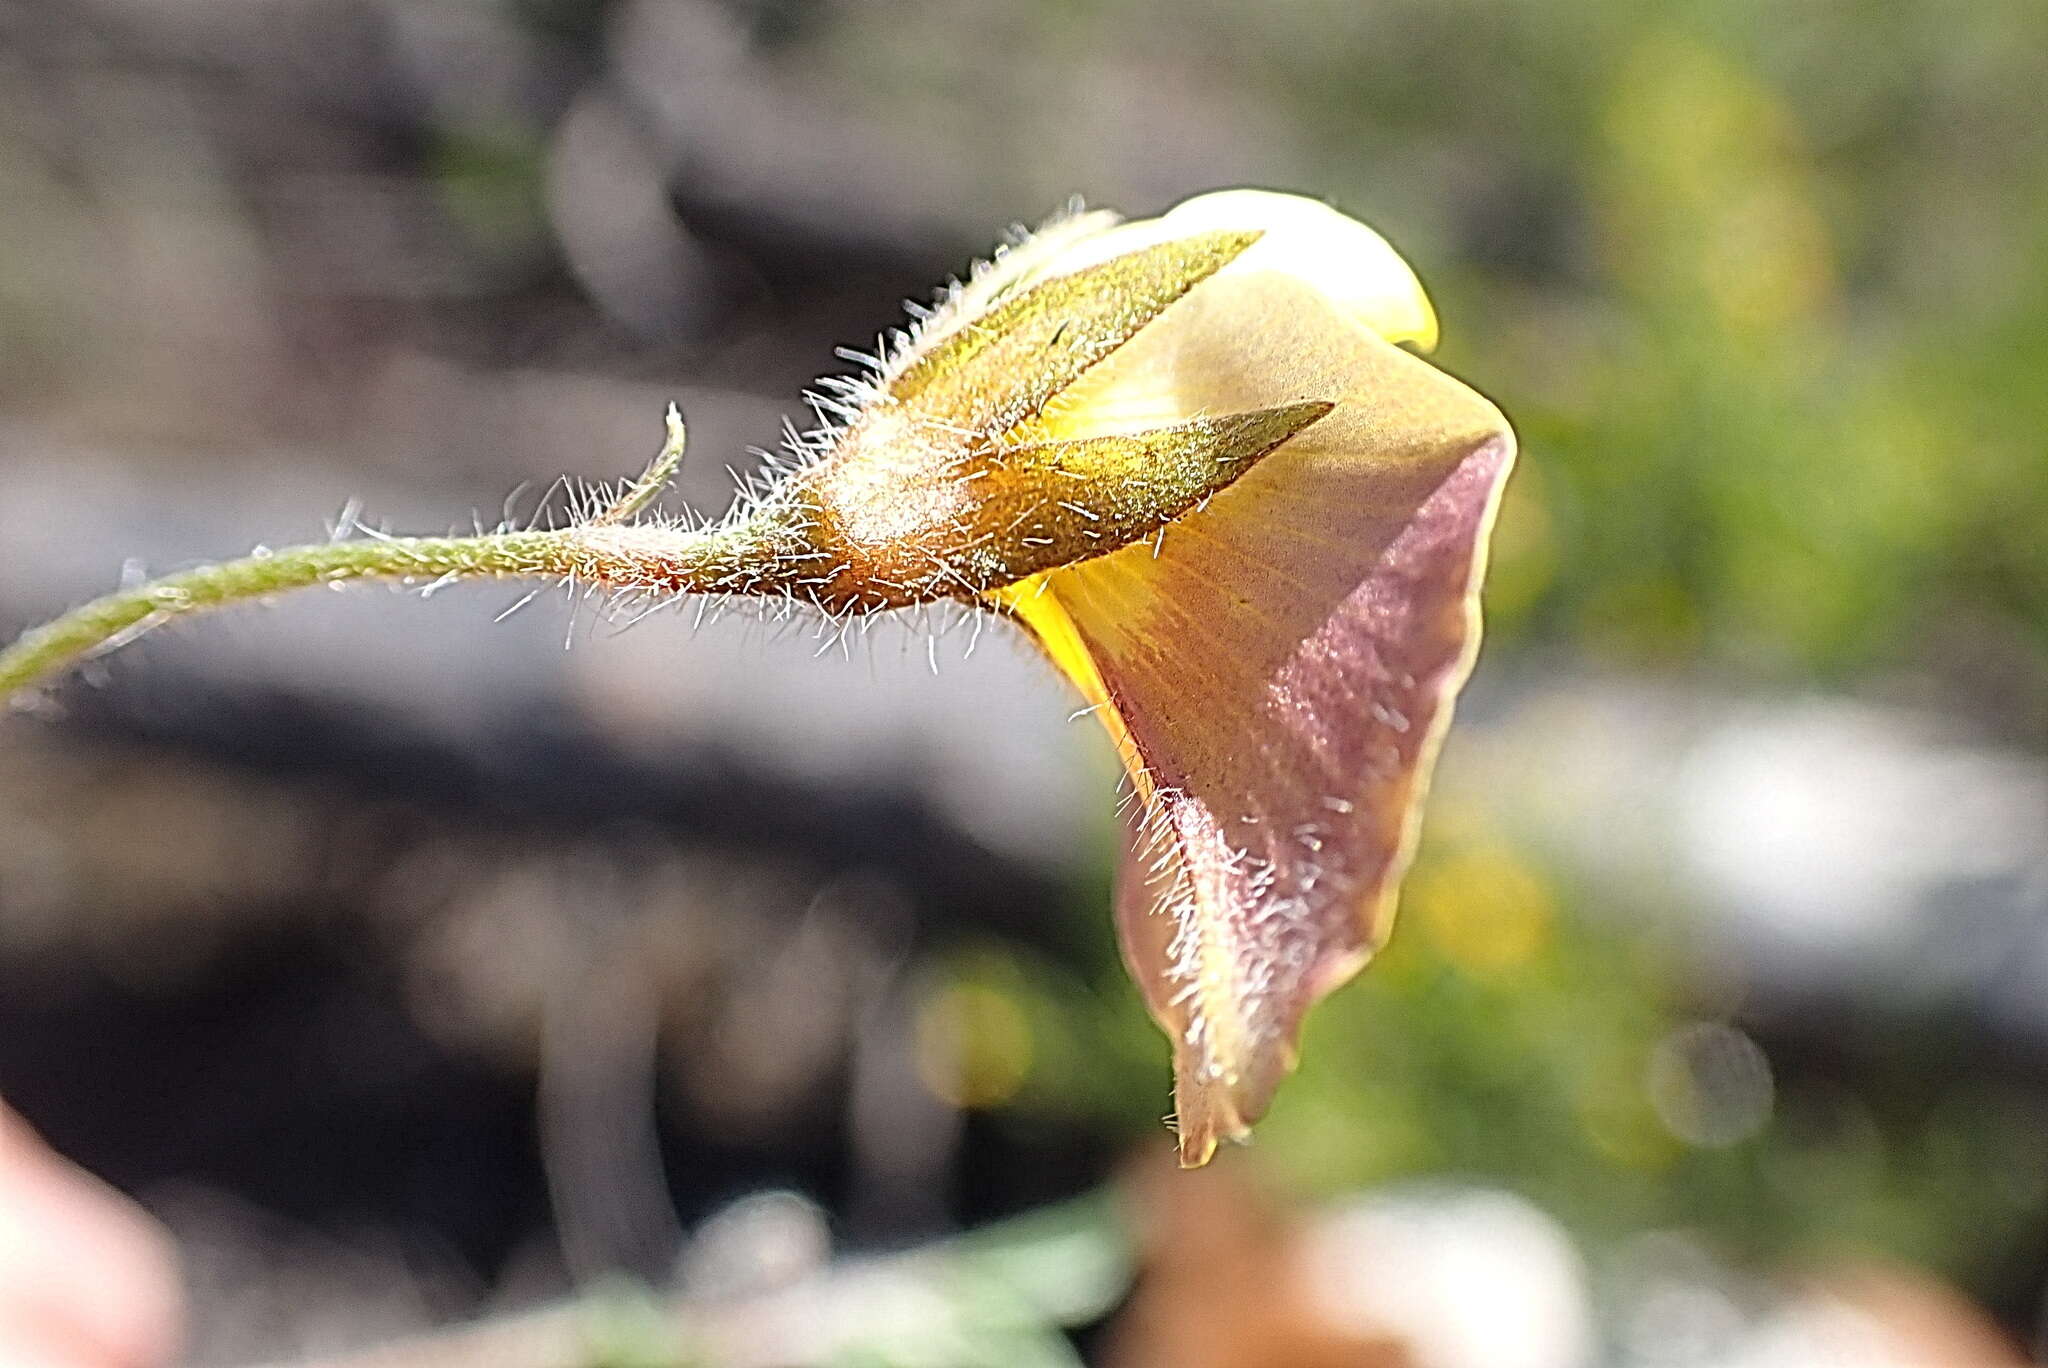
{"x": 1278, "y": 673}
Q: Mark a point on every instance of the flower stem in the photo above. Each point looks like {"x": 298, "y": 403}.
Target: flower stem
{"x": 43, "y": 650}
{"x": 746, "y": 557}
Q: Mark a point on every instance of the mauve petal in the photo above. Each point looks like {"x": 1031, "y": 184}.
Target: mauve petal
{"x": 1278, "y": 673}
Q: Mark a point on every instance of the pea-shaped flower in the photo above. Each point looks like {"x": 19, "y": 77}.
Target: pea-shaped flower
{"x": 1189, "y": 456}
{"x": 1277, "y": 665}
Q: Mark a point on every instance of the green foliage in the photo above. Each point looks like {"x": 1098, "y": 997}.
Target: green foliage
{"x": 1772, "y": 367}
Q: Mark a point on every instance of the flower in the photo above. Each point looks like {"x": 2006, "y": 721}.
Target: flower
{"x": 1189, "y": 456}
{"x": 1276, "y": 667}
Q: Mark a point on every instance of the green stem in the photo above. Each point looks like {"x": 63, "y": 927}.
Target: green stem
{"x": 731, "y": 559}
{"x": 43, "y": 650}
{"x": 758, "y": 555}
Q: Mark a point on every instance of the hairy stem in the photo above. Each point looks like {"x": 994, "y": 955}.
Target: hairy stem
{"x": 753, "y": 556}
{"x": 720, "y": 560}
{"x": 43, "y": 650}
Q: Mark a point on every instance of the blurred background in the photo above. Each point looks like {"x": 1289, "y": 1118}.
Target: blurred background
{"x": 683, "y": 994}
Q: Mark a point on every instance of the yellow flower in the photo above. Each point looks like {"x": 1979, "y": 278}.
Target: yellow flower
{"x": 1190, "y": 458}
{"x": 1277, "y": 666}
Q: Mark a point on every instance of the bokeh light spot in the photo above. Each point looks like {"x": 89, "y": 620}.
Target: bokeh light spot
{"x": 1710, "y": 1084}
{"x": 974, "y": 1045}
{"x": 1485, "y": 910}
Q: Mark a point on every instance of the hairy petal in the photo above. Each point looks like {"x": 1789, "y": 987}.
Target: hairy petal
{"x": 1278, "y": 673}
